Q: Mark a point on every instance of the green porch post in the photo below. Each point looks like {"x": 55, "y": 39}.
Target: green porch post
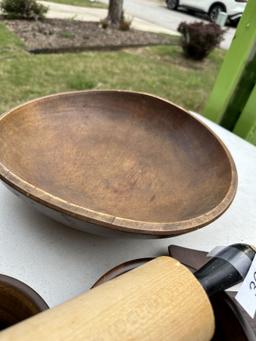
{"x": 237, "y": 76}
{"x": 246, "y": 124}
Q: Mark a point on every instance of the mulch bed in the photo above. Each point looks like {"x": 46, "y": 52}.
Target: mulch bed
{"x": 58, "y": 35}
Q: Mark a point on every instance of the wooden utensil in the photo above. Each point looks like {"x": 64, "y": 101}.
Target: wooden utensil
{"x": 231, "y": 322}
{"x": 116, "y": 161}
{"x": 161, "y": 300}
{"x": 149, "y": 303}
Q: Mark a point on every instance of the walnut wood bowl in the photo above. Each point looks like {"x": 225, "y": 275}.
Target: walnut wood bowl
{"x": 17, "y": 302}
{"x": 116, "y": 161}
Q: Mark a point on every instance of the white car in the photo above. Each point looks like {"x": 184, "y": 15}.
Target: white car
{"x": 233, "y": 8}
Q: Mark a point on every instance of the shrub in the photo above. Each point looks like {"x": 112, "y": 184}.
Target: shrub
{"x": 199, "y": 39}
{"x": 23, "y": 9}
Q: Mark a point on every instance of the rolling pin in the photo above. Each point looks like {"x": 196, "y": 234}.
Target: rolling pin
{"x": 161, "y": 300}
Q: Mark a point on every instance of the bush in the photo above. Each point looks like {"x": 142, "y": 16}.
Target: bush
{"x": 199, "y": 39}
{"x": 23, "y": 9}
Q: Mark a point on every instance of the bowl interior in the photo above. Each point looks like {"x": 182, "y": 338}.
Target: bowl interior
{"x": 17, "y": 302}
{"x": 121, "y": 154}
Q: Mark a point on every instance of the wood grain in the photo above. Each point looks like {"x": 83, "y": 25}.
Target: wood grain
{"x": 127, "y": 161}
{"x": 231, "y": 324}
{"x": 160, "y": 300}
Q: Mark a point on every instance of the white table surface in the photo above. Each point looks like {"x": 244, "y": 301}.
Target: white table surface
{"x": 60, "y": 263}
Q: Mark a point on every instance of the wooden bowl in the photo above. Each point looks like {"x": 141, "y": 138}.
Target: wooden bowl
{"x": 116, "y": 160}
{"x": 17, "y": 302}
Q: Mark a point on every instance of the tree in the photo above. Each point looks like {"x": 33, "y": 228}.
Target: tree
{"x": 115, "y": 12}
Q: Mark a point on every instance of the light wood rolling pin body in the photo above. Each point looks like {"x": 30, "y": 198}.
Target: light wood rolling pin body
{"x": 160, "y": 300}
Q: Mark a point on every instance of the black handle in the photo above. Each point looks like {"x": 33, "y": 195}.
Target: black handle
{"x": 227, "y": 268}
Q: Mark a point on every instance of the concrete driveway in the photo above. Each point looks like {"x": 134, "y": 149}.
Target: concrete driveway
{"x": 155, "y": 11}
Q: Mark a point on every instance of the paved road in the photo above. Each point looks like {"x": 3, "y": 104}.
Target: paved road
{"x": 155, "y": 11}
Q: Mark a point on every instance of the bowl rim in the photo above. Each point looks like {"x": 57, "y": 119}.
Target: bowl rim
{"x": 107, "y": 220}
{"x": 25, "y": 290}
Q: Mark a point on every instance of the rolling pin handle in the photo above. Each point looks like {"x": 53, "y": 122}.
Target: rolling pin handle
{"x": 227, "y": 268}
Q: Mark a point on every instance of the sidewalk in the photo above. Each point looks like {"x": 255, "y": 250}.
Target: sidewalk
{"x": 96, "y": 14}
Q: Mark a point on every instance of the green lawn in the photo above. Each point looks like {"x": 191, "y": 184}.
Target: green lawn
{"x": 158, "y": 70}
{"x": 84, "y": 3}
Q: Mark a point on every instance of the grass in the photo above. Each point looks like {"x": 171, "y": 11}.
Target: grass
{"x": 159, "y": 70}
{"x": 83, "y": 3}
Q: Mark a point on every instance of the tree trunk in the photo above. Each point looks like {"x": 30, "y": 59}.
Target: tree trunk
{"x": 115, "y": 12}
